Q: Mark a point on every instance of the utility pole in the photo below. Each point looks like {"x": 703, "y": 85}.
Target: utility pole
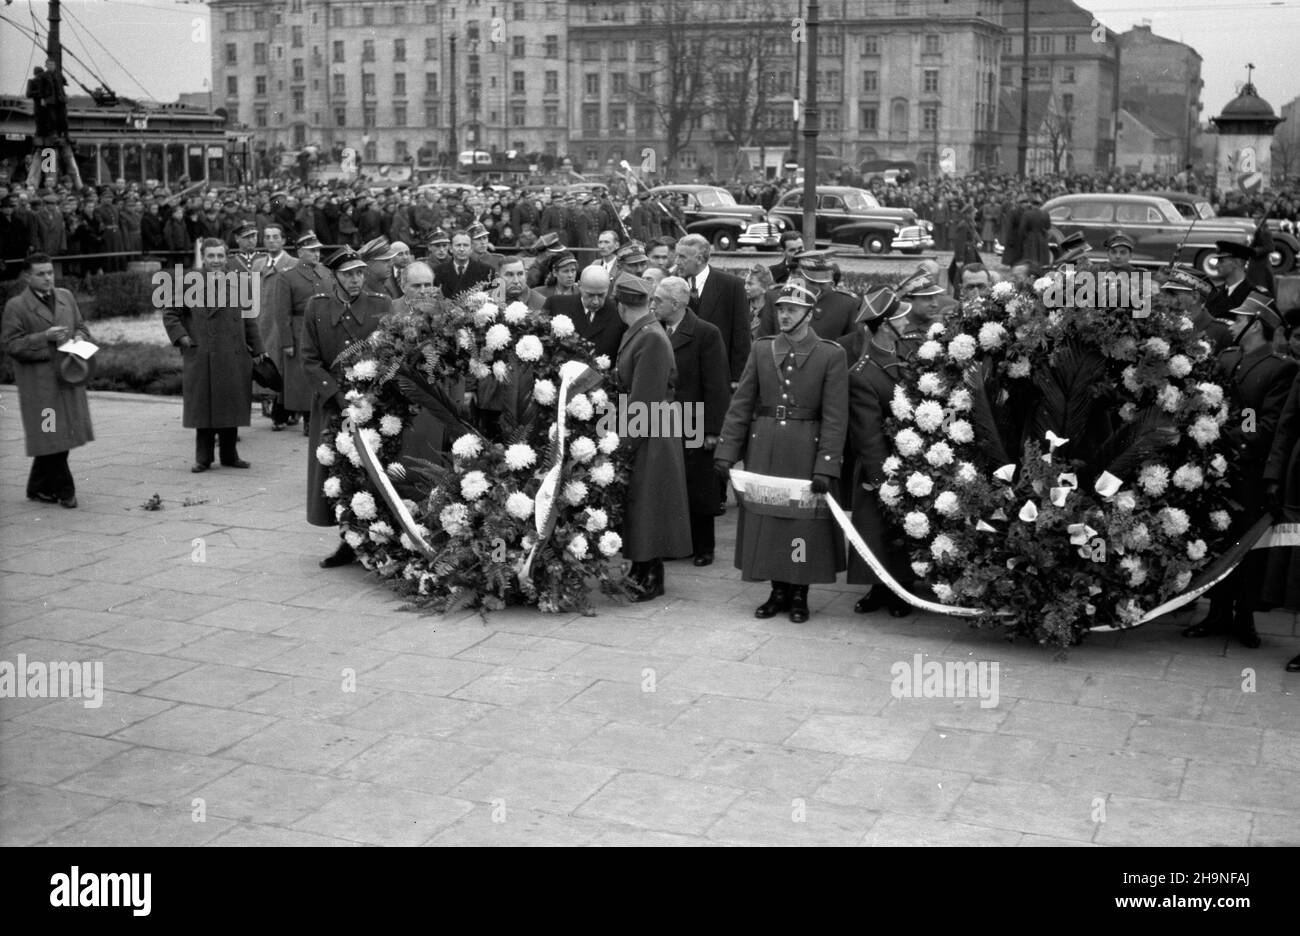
{"x": 451, "y": 94}
{"x": 1022, "y": 148}
{"x": 794, "y": 94}
{"x": 810, "y": 128}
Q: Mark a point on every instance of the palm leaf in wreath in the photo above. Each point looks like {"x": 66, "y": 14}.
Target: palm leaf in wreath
{"x": 1067, "y": 386}
{"x": 435, "y": 399}
{"x": 983, "y": 385}
{"x": 1133, "y": 443}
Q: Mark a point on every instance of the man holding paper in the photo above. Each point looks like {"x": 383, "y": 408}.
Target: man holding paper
{"x": 38, "y": 324}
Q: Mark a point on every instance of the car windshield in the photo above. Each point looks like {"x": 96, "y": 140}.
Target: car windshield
{"x": 1204, "y": 210}
{"x": 860, "y": 201}
{"x": 714, "y": 198}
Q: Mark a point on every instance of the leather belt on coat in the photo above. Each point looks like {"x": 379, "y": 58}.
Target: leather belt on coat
{"x": 791, "y": 412}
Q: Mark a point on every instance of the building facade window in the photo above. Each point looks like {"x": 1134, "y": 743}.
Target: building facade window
{"x": 430, "y": 82}
{"x": 552, "y": 83}
{"x": 367, "y": 16}
{"x": 870, "y": 81}
{"x": 367, "y": 84}
{"x": 930, "y": 81}
{"x": 368, "y": 116}
{"x": 870, "y": 118}
{"x": 929, "y": 118}
{"x": 591, "y": 84}
{"x": 517, "y": 115}
{"x": 232, "y": 54}
{"x": 645, "y": 50}
{"x": 259, "y": 85}
{"x": 399, "y": 84}
{"x": 830, "y": 118}
{"x": 931, "y": 44}
{"x": 340, "y": 117}
{"x": 295, "y": 37}
{"x": 297, "y": 70}
{"x": 870, "y": 45}
{"x": 399, "y": 115}
{"x": 259, "y": 116}
{"x": 591, "y": 117}
{"x": 338, "y": 50}
{"x": 231, "y": 19}
{"x": 367, "y": 50}
{"x": 259, "y": 53}
{"x": 259, "y": 19}
{"x": 1067, "y": 75}
{"x": 618, "y": 83}
{"x": 551, "y": 115}
{"x": 430, "y": 49}
{"x": 336, "y": 17}
{"x": 340, "y": 85}
{"x": 618, "y": 51}
{"x": 552, "y": 46}
{"x": 591, "y": 51}
{"x": 618, "y": 119}
{"x": 232, "y": 86}
{"x": 298, "y": 96}
{"x": 518, "y": 47}
{"x": 399, "y": 50}
{"x": 430, "y": 13}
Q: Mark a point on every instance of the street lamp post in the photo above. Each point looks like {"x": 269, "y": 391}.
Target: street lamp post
{"x": 1022, "y": 147}
{"x": 810, "y": 129}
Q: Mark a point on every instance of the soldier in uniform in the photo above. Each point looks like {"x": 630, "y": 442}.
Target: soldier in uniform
{"x": 1119, "y": 253}
{"x": 306, "y": 279}
{"x": 378, "y": 255}
{"x": 872, "y": 378}
{"x": 439, "y": 245}
{"x": 1262, "y": 379}
{"x": 344, "y": 315}
{"x": 1235, "y": 288}
{"x": 1190, "y": 289}
{"x": 245, "y": 253}
{"x": 548, "y": 248}
{"x": 928, "y": 301}
{"x": 788, "y": 418}
{"x": 833, "y": 309}
{"x": 1071, "y": 252}
{"x": 479, "y": 247}
{"x": 564, "y": 272}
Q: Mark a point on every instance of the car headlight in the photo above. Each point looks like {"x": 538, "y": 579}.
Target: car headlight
{"x": 778, "y": 223}
{"x": 897, "y": 229}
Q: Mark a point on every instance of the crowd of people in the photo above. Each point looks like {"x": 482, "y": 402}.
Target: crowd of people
{"x": 793, "y": 372}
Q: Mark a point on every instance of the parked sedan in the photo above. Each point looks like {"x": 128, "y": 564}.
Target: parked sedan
{"x": 1156, "y": 227}
{"x": 853, "y": 216}
{"x": 714, "y": 213}
{"x": 1286, "y": 245}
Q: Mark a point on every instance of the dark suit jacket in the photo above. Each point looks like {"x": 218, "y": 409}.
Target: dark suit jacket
{"x": 701, "y": 363}
{"x": 605, "y": 330}
{"x": 724, "y": 305}
{"x": 452, "y": 285}
{"x": 1222, "y": 302}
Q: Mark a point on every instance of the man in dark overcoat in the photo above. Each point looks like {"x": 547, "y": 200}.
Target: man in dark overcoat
{"x": 334, "y": 321}
{"x": 275, "y": 323}
{"x": 701, "y": 363}
{"x": 656, "y": 520}
{"x": 787, "y": 419}
{"x": 307, "y": 278}
{"x": 56, "y": 415}
{"x": 218, "y": 347}
{"x": 594, "y": 316}
{"x": 1261, "y": 379}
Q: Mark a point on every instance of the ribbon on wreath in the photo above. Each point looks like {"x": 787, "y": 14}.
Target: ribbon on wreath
{"x": 379, "y": 478}
{"x": 575, "y": 377}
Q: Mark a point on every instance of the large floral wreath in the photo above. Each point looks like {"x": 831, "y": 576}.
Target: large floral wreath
{"x": 1060, "y": 469}
{"x": 475, "y": 512}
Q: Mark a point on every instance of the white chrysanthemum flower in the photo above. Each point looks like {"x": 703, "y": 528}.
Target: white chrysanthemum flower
{"x": 597, "y": 520}
{"x": 562, "y": 326}
{"x": 1154, "y": 479}
{"x": 1180, "y": 365}
{"x": 929, "y": 415}
{"x": 936, "y": 330}
{"x": 497, "y": 337}
{"x": 578, "y": 546}
{"x": 464, "y": 339}
{"x": 1128, "y": 412}
{"x": 1219, "y": 465}
{"x": 1137, "y": 573}
{"x": 1203, "y": 430}
{"x": 365, "y": 370}
{"x": 931, "y": 384}
{"x": 908, "y": 443}
{"x": 891, "y": 465}
{"x": 332, "y": 487}
{"x": 1018, "y": 368}
{"x": 467, "y": 446}
{"x": 1189, "y": 478}
{"x": 360, "y": 412}
{"x": 942, "y": 547}
{"x": 602, "y": 474}
{"x": 919, "y": 485}
{"x": 1157, "y": 346}
{"x": 580, "y": 407}
{"x": 501, "y": 371}
{"x": 583, "y": 449}
{"x": 961, "y": 400}
{"x": 325, "y": 455}
{"x": 921, "y": 569}
{"x": 515, "y": 313}
{"x": 1174, "y": 521}
{"x": 339, "y": 511}
{"x": 519, "y": 505}
{"x": 1003, "y": 290}
{"x": 477, "y": 369}
{"x": 929, "y": 350}
{"x": 1130, "y": 378}
{"x": 946, "y": 503}
{"x": 961, "y": 432}
{"x": 474, "y": 485}
{"x": 529, "y": 348}
{"x": 454, "y": 518}
{"x": 1220, "y": 520}
{"x": 966, "y": 473}
{"x": 610, "y": 543}
{"x": 1196, "y": 549}
{"x": 1125, "y": 501}
{"x": 599, "y": 398}
{"x": 943, "y": 592}
{"x": 962, "y": 347}
{"x": 1185, "y": 324}
{"x": 608, "y": 443}
{"x": 544, "y": 392}
{"x": 1170, "y": 398}
{"x": 353, "y": 539}
{"x": 486, "y": 313}
{"x": 575, "y": 492}
{"x": 890, "y": 493}
{"x": 380, "y": 532}
{"x": 390, "y": 425}
{"x": 992, "y": 334}
{"x": 1043, "y": 284}
{"x": 1211, "y": 394}
{"x": 363, "y": 505}
{"x": 520, "y": 456}
{"x": 900, "y": 405}
{"x": 602, "y": 362}
{"x": 1181, "y": 581}
{"x": 939, "y": 454}
{"x": 916, "y": 525}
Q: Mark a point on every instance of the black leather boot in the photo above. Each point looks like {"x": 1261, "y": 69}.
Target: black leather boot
{"x": 650, "y": 584}
{"x": 873, "y": 600}
{"x": 776, "y": 602}
{"x": 799, "y": 603}
{"x": 1243, "y": 628}
{"x": 342, "y": 556}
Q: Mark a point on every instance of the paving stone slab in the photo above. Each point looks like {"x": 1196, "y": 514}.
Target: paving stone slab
{"x": 661, "y": 804}
{"x": 30, "y": 814}
{"x": 758, "y": 819}
{"x": 262, "y": 795}
{"x": 886, "y": 787}
{"x": 519, "y": 781}
{"x": 150, "y": 776}
{"x": 1132, "y": 820}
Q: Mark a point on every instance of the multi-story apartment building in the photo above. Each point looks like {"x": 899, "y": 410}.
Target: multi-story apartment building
{"x": 1160, "y": 85}
{"x": 385, "y": 76}
{"x": 1074, "y": 65}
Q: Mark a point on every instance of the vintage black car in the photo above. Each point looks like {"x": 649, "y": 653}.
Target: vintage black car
{"x": 714, "y": 213}
{"x": 1286, "y": 246}
{"x": 854, "y": 216}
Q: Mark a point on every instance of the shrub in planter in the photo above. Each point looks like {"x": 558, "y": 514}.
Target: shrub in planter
{"x": 137, "y": 367}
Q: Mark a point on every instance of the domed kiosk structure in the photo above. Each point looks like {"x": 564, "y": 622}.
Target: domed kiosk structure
{"x": 1246, "y": 129}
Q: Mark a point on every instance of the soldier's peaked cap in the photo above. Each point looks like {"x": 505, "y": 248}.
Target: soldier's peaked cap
{"x": 345, "y": 259}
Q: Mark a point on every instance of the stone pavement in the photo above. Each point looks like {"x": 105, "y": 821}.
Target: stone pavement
{"x": 684, "y": 721}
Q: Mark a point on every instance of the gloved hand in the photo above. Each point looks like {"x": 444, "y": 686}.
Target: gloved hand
{"x": 722, "y": 469}
{"x": 1273, "y": 499}
{"x": 821, "y": 484}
